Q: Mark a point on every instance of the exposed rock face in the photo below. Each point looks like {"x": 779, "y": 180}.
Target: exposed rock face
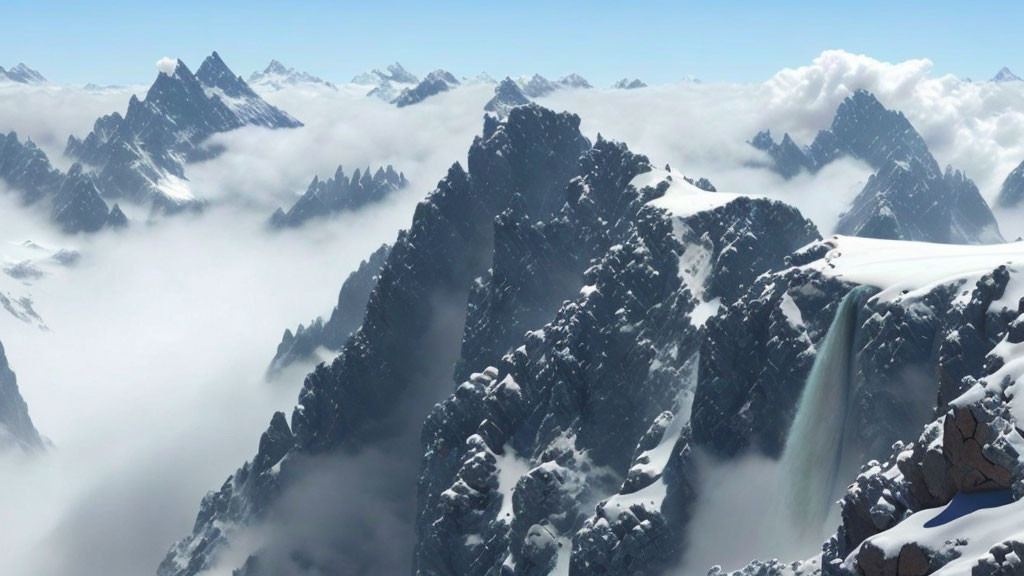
{"x": 21, "y": 74}
{"x": 1012, "y": 191}
{"x": 909, "y": 197}
{"x": 16, "y": 429}
{"x": 345, "y": 318}
{"x": 74, "y": 202}
{"x": 545, "y": 235}
{"x": 277, "y": 76}
{"x": 340, "y": 194}
{"x": 435, "y": 83}
{"x": 507, "y": 95}
{"x": 142, "y": 155}
{"x": 907, "y": 200}
{"x": 627, "y": 84}
{"x": 541, "y": 413}
{"x": 394, "y": 368}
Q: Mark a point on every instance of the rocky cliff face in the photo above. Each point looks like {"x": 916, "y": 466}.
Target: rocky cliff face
{"x": 16, "y": 429}
{"x": 549, "y": 236}
{"x": 398, "y": 363}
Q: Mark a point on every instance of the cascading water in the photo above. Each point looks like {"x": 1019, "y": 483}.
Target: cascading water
{"x": 813, "y": 459}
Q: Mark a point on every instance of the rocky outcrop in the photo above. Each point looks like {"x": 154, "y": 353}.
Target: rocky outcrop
{"x": 73, "y": 200}
{"x": 16, "y": 428}
{"x": 341, "y": 193}
{"x": 345, "y": 318}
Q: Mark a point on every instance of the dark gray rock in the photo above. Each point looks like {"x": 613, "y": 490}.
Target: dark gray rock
{"x": 395, "y": 367}
{"x": 341, "y": 193}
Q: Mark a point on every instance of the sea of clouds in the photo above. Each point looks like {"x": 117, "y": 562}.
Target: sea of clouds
{"x": 149, "y": 380}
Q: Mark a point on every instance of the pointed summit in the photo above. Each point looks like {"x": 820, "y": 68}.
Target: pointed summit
{"x": 507, "y": 95}
{"x": 277, "y": 76}
{"x": 21, "y": 74}
{"x": 1005, "y": 75}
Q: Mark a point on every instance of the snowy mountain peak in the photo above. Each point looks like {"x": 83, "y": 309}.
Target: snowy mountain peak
{"x": 21, "y": 74}
{"x": 574, "y": 81}
{"x": 395, "y": 73}
{"x": 507, "y": 95}
{"x": 277, "y": 76}
{"x": 1005, "y": 75}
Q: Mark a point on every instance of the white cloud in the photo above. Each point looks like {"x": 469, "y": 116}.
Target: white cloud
{"x": 150, "y": 382}
{"x": 167, "y": 65}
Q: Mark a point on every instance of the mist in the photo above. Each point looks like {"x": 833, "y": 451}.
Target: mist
{"x": 742, "y": 515}
{"x": 149, "y": 379}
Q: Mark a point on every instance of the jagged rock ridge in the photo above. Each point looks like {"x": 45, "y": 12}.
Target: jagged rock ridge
{"x": 340, "y": 194}
{"x": 909, "y": 197}
{"x": 545, "y": 230}
{"x": 142, "y": 155}
{"x": 73, "y": 199}
{"x": 433, "y": 84}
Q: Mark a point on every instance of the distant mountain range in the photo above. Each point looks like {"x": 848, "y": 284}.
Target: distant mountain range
{"x": 21, "y": 74}
{"x": 277, "y": 76}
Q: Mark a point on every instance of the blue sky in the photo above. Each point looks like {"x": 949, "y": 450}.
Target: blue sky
{"x": 659, "y": 41}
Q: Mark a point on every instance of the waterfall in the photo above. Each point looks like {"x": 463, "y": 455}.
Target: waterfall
{"x": 813, "y": 459}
